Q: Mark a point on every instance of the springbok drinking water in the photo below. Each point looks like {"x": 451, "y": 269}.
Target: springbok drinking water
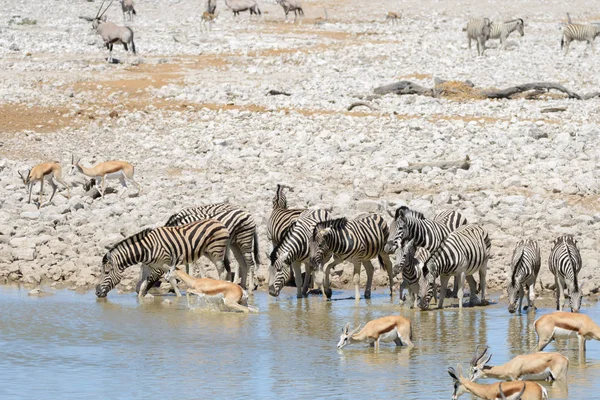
{"x": 562, "y": 325}
{"x": 234, "y": 297}
{"x": 49, "y": 171}
{"x": 121, "y": 170}
{"x": 393, "y": 328}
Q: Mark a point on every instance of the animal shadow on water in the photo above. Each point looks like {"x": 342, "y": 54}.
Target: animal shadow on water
{"x": 211, "y": 303}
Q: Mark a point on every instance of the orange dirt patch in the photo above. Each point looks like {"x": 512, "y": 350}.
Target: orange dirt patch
{"x": 416, "y": 76}
{"x": 19, "y": 117}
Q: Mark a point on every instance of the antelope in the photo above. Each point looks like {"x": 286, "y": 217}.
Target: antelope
{"x": 535, "y": 367}
{"x": 517, "y": 397}
{"x": 207, "y": 18}
{"x": 121, "y": 170}
{"x": 234, "y": 297}
{"x": 393, "y": 17}
{"x": 237, "y": 6}
{"x": 45, "y": 171}
{"x": 562, "y": 325}
{"x": 512, "y": 390}
{"x": 127, "y": 8}
{"x": 112, "y": 33}
{"x": 291, "y": 5}
{"x": 392, "y": 328}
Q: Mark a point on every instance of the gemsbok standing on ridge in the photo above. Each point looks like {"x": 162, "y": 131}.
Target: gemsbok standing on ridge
{"x": 462, "y": 385}
{"x": 291, "y": 5}
{"x": 238, "y": 6}
{"x": 163, "y": 248}
{"x": 563, "y": 325}
{"x": 112, "y": 33}
{"x": 234, "y": 297}
{"x": 121, "y": 170}
{"x": 525, "y": 367}
{"x": 393, "y": 328}
{"x": 525, "y": 264}
{"x": 127, "y": 8}
{"x": 48, "y": 171}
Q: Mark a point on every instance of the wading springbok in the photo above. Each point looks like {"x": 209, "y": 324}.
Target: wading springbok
{"x": 510, "y": 390}
{"x": 234, "y": 297}
{"x": 127, "y": 8}
{"x": 121, "y": 170}
{"x": 393, "y": 328}
{"x": 563, "y": 325}
{"x": 533, "y": 367}
{"x": 49, "y": 171}
{"x": 112, "y": 33}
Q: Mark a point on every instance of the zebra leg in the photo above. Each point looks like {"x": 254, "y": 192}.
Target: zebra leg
{"x": 356, "y": 279}
{"x": 531, "y": 297}
{"x": 387, "y": 263}
{"x": 482, "y": 283}
{"x": 472, "y": 289}
{"x": 307, "y": 274}
{"x": 241, "y": 259}
{"x": 521, "y": 294}
{"x": 444, "y": 281}
{"x": 559, "y": 292}
{"x": 369, "y": 269}
{"x": 469, "y": 42}
{"x": 298, "y": 277}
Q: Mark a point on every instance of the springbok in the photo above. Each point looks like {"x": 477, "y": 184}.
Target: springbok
{"x": 393, "y": 17}
{"x": 234, "y": 297}
{"x": 112, "y": 33}
{"x": 535, "y": 367}
{"x": 49, "y": 171}
{"x": 562, "y": 325}
{"x": 237, "y": 6}
{"x": 518, "y": 395}
{"x": 127, "y": 8}
{"x": 511, "y": 390}
{"x": 121, "y": 170}
{"x": 393, "y": 328}
{"x": 207, "y": 18}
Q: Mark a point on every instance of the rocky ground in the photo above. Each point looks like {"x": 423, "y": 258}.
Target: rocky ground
{"x": 191, "y": 112}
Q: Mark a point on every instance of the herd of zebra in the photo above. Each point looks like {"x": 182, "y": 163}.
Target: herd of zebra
{"x": 424, "y": 249}
{"x": 482, "y": 30}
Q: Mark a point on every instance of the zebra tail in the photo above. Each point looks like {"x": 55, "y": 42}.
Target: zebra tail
{"x": 380, "y": 259}
{"x": 133, "y": 11}
{"x": 256, "y": 250}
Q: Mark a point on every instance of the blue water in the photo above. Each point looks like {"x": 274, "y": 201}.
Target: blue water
{"x": 73, "y": 346}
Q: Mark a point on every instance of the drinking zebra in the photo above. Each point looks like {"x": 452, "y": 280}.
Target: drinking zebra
{"x": 281, "y": 217}
{"x": 565, "y": 264}
{"x": 479, "y": 30}
{"x": 504, "y": 29}
{"x": 242, "y": 235}
{"x": 462, "y": 253}
{"x": 293, "y": 250}
{"x": 410, "y": 261}
{"x": 525, "y": 268}
{"x": 580, "y": 33}
{"x": 428, "y": 233}
{"x": 162, "y": 248}
{"x": 358, "y": 241}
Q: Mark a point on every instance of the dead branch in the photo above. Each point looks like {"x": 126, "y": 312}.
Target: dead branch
{"x": 274, "y": 92}
{"x": 553, "y": 109}
{"x": 511, "y": 91}
{"x": 450, "y": 165}
{"x": 404, "y": 87}
{"x": 360, "y": 103}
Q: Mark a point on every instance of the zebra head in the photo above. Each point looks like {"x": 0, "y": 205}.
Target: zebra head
{"x": 111, "y": 276}
{"x": 280, "y": 271}
{"x": 513, "y": 295}
{"x": 521, "y": 26}
{"x": 395, "y": 236}
{"x": 405, "y": 256}
{"x": 426, "y": 288}
{"x": 575, "y": 299}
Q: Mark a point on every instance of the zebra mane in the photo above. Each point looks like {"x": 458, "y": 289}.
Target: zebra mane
{"x": 569, "y": 243}
{"x": 407, "y": 212}
{"x": 338, "y": 223}
{"x": 515, "y": 20}
{"x": 174, "y": 220}
{"x": 284, "y": 236}
{"x": 517, "y": 256}
{"x": 131, "y": 239}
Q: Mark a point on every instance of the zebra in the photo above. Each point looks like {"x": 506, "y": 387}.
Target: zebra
{"x": 580, "y": 33}
{"x": 479, "y": 30}
{"x": 409, "y": 261}
{"x": 281, "y": 217}
{"x": 504, "y": 29}
{"x": 162, "y": 248}
{"x": 462, "y": 253}
{"x": 293, "y": 250}
{"x": 565, "y": 264}
{"x": 525, "y": 268}
{"x": 441, "y": 225}
{"x": 358, "y": 241}
{"x": 242, "y": 234}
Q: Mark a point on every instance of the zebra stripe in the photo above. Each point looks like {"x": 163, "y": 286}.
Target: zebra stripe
{"x": 165, "y": 247}
{"x": 281, "y": 217}
{"x": 565, "y": 264}
{"x": 410, "y": 261}
{"x": 580, "y": 33}
{"x": 242, "y": 233}
{"x": 358, "y": 241}
{"x": 293, "y": 250}
{"x": 478, "y": 30}
{"x": 504, "y": 29}
{"x": 464, "y": 252}
{"x": 525, "y": 268}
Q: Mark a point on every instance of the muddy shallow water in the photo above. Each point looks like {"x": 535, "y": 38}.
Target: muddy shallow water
{"x": 71, "y": 345}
